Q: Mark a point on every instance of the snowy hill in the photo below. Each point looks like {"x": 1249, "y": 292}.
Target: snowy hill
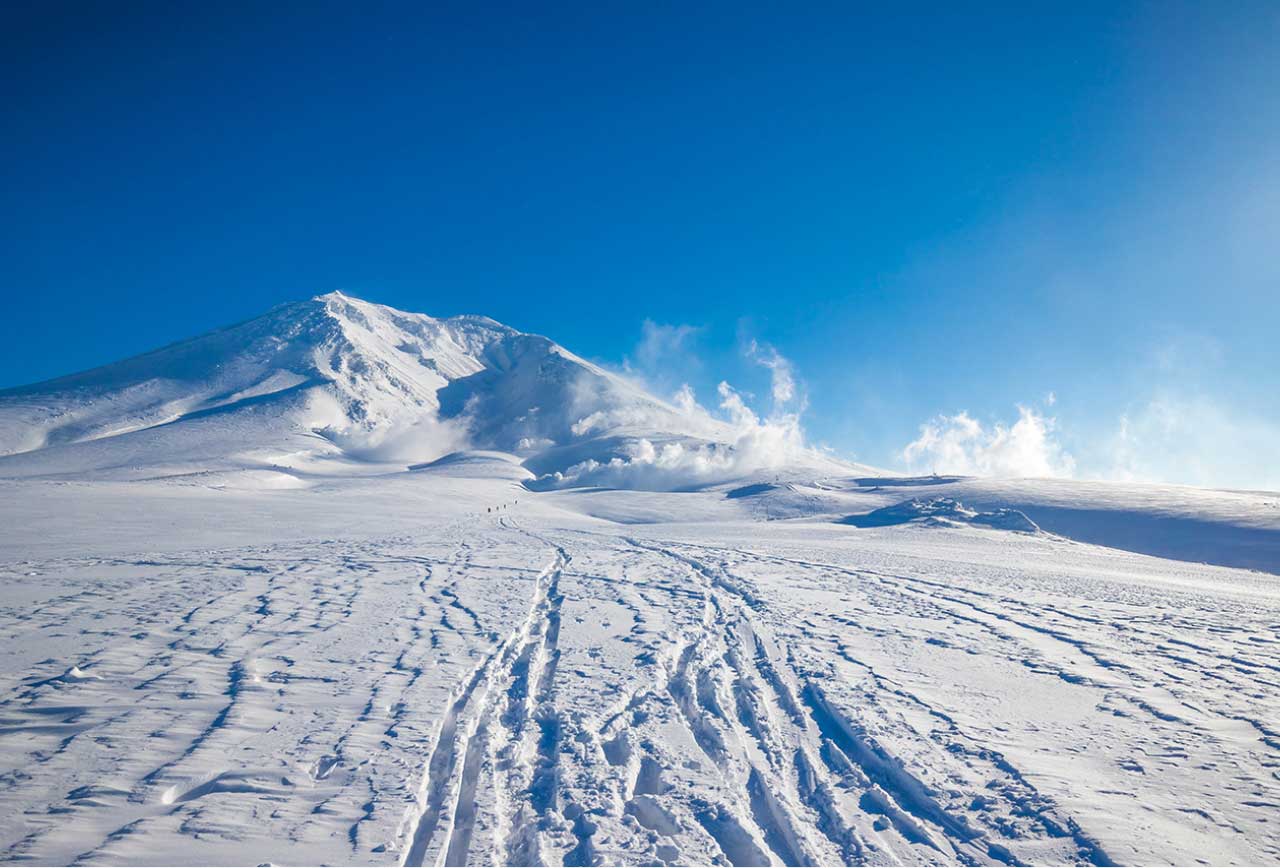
{"x": 339, "y": 385}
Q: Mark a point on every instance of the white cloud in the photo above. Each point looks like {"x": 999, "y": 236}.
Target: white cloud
{"x": 664, "y": 355}
{"x": 782, "y": 374}
{"x": 605, "y": 412}
{"x": 960, "y": 444}
{"x": 686, "y": 400}
{"x": 1175, "y": 436}
{"x": 756, "y": 444}
{"x": 1193, "y": 440}
{"x": 708, "y": 447}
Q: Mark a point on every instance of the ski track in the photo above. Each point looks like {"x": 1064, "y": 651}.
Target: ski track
{"x": 500, "y": 690}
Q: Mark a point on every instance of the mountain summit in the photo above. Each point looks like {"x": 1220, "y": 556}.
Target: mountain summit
{"x": 335, "y": 384}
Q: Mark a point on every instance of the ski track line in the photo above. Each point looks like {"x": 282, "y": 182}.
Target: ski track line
{"x": 893, "y": 792}
{"x": 778, "y": 763}
{"x": 906, "y": 787}
{"x": 502, "y": 666}
{"x": 1105, "y": 674}
{"x": 765, "y": 730}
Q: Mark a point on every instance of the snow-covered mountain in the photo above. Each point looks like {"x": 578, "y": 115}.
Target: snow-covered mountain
{"x": 348, "y": 585}
{"x": 335, "y": 383}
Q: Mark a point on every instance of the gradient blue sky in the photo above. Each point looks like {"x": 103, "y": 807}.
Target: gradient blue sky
{"x": 927, "y": 209}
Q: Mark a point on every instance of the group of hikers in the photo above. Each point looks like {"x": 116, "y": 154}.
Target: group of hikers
{"x": 503, "y": 506}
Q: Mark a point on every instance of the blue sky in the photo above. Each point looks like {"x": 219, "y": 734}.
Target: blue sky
{"x": 926, "y": 209}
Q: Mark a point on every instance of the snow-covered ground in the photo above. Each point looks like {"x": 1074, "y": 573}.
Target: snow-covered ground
{"x": 229, "y": 635}
{"x": 381, "y": 671}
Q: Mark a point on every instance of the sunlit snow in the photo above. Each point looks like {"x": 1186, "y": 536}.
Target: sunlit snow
{"x": 350, "y": 585}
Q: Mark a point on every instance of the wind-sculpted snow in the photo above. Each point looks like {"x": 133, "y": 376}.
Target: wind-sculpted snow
{"x": 436, "y": 669}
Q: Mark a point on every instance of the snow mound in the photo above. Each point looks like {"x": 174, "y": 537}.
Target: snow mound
{"x": 477, "y": 464}
{"x": 942, "y": 511}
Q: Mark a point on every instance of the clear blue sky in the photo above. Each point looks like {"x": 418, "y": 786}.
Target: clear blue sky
{"x": 927, "y": 209}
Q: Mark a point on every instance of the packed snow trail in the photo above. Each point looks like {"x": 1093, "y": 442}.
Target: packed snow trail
{"x": 528, "y": 688}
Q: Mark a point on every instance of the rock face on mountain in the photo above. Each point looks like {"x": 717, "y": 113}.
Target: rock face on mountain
{"x": 337, "y": 384}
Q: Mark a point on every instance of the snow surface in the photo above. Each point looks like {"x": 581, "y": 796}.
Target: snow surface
{"x": 308, "y": 591}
